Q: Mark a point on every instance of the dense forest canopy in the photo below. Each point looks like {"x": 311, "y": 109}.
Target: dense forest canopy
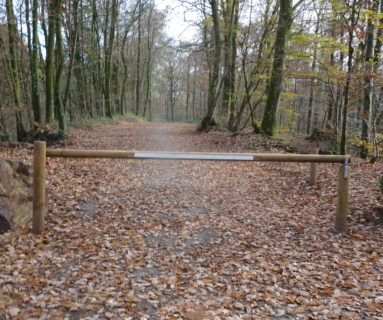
{"x": 299, "y": 66}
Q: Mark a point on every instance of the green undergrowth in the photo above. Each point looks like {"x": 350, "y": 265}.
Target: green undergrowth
{"x": 89, "y": 123}
{"x": 132, "y": 118}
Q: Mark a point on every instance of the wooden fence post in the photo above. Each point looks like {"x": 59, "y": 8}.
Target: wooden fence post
{"x": 342, "y": 200}
{"x": 39, "y": 158}
{"x": 313, "y": 172}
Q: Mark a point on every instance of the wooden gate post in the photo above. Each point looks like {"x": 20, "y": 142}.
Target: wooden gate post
{"x": 313, "y": 172}
{"x": 343, "y": 195}
{"x": 39, "y": 158}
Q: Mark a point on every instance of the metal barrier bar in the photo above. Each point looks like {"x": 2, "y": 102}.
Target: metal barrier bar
{"x": 168, "y": 155}
{"x": 40, "y": 154}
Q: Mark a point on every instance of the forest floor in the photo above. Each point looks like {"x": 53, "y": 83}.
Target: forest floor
{"x": 133, "y": 239}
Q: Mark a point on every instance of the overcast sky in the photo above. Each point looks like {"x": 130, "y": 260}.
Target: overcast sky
{"x": 178, "y": 26}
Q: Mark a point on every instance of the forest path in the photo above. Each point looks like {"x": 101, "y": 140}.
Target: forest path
{"x": 150, "y": 239}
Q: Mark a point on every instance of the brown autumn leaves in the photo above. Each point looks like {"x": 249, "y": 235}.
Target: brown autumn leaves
{"x": 192, "y": 240}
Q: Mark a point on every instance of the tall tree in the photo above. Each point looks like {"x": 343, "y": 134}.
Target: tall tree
{"x": 138, "y": 60}
{"x": 73, "y": 30}
{"x": 59, "y": 107}
{"x": 14, "y": 63}
{"x": 310, "y": 122}
{"x": 230, "y": 18}
{"x": 368, "y": 78}
{"x": 133, "y": 16}
{"x": 109, "y": 36}
{"x": 214, "y": 66}
{"x": 149, "y": 62}
{"x": 252, "y": 78}
{"x": 35, "y": 63}
{"x": 352, "y": 18}
{"x": 49, "y": 63}
{"x": 277, "y": 73}
{"x": 33, "y": 48}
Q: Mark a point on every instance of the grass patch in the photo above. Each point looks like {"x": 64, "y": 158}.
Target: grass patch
{"x": 131, "y": 117}
{"x": 89, "y": 123}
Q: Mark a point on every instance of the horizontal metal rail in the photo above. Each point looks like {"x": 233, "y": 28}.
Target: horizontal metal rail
{"x": 40, "y": 153}
{"x": 169, "y": 155}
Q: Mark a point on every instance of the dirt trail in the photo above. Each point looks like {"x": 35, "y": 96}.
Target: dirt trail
{"x": 190, "y": 240}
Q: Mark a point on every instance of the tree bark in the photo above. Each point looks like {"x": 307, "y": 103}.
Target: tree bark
{"x": 251, "y": 81}
{"x": 49, "y": 64}
{"x": 138, "y": 63}
{"x": 231, "y": 17}
{"x": 207, "y": 121}
{"x": 59, "y": 108}
{"x": 312, "y": 85}
{"x": 351, "y": 26}
{"x": 34, "y": 64}
{"x": 15, "y": 77}
{"x": 72, "y": 44}
{"x": 368, "y": 79}
{"x": 232, "y": 67}
{"x": 275, "y": 88}
{"x": 33, "y": 43}
{"x": 150, "y": 42}
{"x": 109, "y": 34}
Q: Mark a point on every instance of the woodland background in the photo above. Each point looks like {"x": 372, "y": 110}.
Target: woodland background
{"x": 294, "y": 67}
{"x": 194, "y": 240}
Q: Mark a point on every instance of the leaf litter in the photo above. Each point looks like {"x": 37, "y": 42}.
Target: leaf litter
{"x": 134, "y": 239}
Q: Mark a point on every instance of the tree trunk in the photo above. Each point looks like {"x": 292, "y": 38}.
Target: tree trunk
{"x": 275, "y": 88}
{"x": 15, "y": 77}
{"x": 187, "y": 88}
{"x": 351, "y": 26}
{"x": 49, "y": 64}
{"x": 108, "y": 57}
{"x": 312, "y": 85}
{"x": 72, "y": 44}
{"x": 230, "y": 19}
{"x": 138, "y": 63}
{"x": 150, "y": 41}
{"x": 124, "y": 79}
{"x": 368, "y": 79}
{"x": 251, "y": 81}
{"x": 331, "y": 98}
{"x": 59, "y": 108}
{"x": 207, "y": 121}
{"x": 194, "y": 95}
{"x": 343, "y": 140}
{"x": 34, "y": 64}
{"x": 33, "y": 43}
{"x": 231, "y": 69}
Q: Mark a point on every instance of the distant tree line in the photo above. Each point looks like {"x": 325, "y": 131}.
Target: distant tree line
{"x": 271, "y": 65}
